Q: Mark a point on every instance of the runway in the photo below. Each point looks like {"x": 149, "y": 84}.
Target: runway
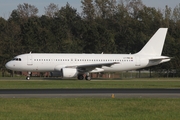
{"x": 83, "y": 93}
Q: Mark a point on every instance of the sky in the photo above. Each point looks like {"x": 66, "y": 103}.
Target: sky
{"x": 7, "y": 6}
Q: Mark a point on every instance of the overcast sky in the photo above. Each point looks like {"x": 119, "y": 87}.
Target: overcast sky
{"x": 7, "y": 6}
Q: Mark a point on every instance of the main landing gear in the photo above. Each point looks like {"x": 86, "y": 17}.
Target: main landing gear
{"x": 28, "y": 76}
{"x": 81, "y": 77}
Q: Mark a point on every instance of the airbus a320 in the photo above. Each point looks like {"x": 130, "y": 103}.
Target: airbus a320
{"x": 81, "y": 65}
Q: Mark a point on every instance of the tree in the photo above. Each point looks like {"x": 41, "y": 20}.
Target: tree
{"x": 3, "y": 48}
{"x": 88, "y": 9}
{"x": 133, "y": 7}
{"x": 10, "y": 40}
{"x": 26, "y": 10}
{"x": 67, "y": 28}
{"x": 15, "y": 16}
{"x": 105, "y": 8}
{"x": 51, "y": 9}
{"x": 176, "y": 13}
{"x": 168, "y": 15}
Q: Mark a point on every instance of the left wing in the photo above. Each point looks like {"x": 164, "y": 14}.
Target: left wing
{"x": 90, "y": 67}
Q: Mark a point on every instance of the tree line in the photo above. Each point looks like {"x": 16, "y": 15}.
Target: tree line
{"x": 107, "y": 26}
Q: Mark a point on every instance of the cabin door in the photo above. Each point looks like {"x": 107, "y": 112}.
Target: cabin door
{"x": 138, "y": 63}
{"x": 29, "y": 60}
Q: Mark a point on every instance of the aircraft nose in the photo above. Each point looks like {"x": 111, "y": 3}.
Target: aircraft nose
{"x": 8, "y": 65}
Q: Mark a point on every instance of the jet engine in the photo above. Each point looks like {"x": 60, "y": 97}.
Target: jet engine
{"x": 69, "y": 72}
{"x": 64, "y": 72}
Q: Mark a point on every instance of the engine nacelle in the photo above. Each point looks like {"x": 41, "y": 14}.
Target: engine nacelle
{"x": 69, "y": 72}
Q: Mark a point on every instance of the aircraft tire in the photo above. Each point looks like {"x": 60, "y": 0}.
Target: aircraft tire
{"x": 88, "y": 78}
{"x": 27, "y": 78}
{"x": 80, "y": 77}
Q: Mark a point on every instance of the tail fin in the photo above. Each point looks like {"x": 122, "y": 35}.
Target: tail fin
{"x": 155, "y": 45}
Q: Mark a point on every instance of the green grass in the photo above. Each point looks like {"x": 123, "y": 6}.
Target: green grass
{"x": 40, "y": 83}
{"x": 89, "y": 109}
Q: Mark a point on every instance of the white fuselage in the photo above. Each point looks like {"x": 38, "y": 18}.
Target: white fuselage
{"x": 53, "y": 62}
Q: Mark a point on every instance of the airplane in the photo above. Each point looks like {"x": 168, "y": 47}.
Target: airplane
{"x": 81, "y": 65}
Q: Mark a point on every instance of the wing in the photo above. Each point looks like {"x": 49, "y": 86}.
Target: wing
{"x": 89, "y": 67}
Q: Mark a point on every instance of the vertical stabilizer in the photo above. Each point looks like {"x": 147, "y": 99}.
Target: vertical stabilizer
{"x": 155, "y": 45}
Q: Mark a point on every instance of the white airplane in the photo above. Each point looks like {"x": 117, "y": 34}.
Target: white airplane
{"x": 78, "y": 65}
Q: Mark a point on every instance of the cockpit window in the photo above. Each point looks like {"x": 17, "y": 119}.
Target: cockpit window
{"x": 16, "y": 59}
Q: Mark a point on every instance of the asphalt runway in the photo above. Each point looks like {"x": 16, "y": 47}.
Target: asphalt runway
{"x": 93, "y": 93}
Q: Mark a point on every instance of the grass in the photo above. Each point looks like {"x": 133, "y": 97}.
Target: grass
{"x": 89, "y": 109}
{"x": 40, "y": 83}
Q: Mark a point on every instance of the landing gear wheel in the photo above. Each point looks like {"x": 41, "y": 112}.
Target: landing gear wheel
{"x": 27, "y": 78}
{"x": 80, "y": 77}
{"x": 88, "y": 78}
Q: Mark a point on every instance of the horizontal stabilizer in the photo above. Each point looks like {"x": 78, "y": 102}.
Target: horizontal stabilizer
{"x": 160, "y": 59}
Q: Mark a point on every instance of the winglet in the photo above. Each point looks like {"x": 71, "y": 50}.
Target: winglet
{"x": 155, "y": 45}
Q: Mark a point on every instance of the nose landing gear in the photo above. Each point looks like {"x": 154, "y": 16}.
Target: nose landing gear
{"x": 28, "y": 76}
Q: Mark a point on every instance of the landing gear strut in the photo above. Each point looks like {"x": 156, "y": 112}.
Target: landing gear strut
{"x": 81, "y": 77}
{"x": 28, "y": 76}
{"x": 88, "y": 77}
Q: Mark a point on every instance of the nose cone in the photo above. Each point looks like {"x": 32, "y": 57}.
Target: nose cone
{"x": 8, "y": 65}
